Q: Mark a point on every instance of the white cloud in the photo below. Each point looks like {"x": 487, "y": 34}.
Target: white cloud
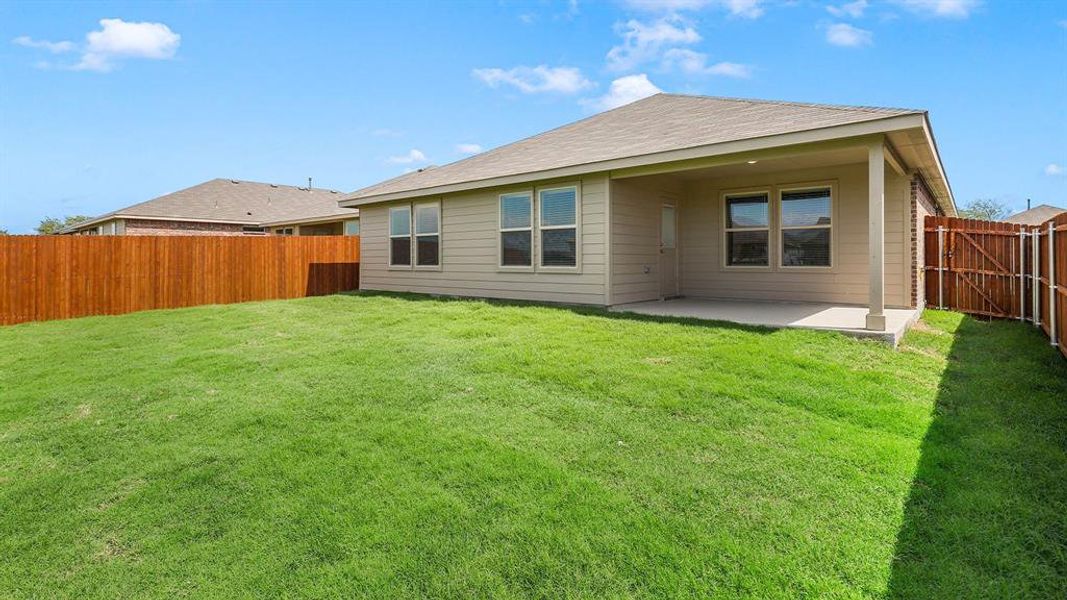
{"x": 468, "y": 148}
{"x": 643, "y": 42}
{"x": 849, "y": 9}
{"x": 413, "y": 156}
{"x": 843, "y": 34}
{"x": 624, "y": 90}
{"x": 954, "y": 9}
{"x": 120, "y": 39}
{"x": 696, "y": 63}
{"x": 116, "y": 39}
{"x": 1053, "y": 169}
{"x": 533, "y": 80}
{"x": 53, "y": 47}
{"x": 749, "y": 9}
{"x": 729, "y": 69}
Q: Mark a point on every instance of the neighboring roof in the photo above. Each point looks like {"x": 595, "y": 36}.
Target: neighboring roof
{"x": 1036, "y": 215}
{"x": 233, "y": 201}
{"x": 659, "y": 123}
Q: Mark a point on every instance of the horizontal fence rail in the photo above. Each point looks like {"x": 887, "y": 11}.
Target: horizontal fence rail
{"x": 60, "y": 277}
{"x": 1003, "y": 270}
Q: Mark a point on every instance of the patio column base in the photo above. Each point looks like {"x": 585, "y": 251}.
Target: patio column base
{"x": 875, "y": 322}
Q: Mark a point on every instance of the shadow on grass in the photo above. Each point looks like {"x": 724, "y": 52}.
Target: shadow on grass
{"x": 987, "y": 513}
{"x": 580, "y": 309}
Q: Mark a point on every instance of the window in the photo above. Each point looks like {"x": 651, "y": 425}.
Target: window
{"x": 558, "y": 210}
{"x": 428, "y": 235}
{"x": 668, "y": 229}
{"x": 400, "y": 236}
{"x": 283, "y": 231}
{"x": 747, "y": 230}
{"x": 352, "y": 227}
{"x": 252, "y": 230}
{"x": 805, "y": 223}
{"x": 516, "y": 230}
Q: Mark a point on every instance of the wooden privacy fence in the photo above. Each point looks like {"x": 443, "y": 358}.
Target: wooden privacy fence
{"x": 59, "y": 277}
{"x": 1003, "y": 270}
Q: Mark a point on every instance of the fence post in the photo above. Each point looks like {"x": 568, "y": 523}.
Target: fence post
{"x": 1022, "y": 271}
{"x": 1035, "y": 275}
{"x": 1052, "y": 283}
{"x": 941, "y": 267}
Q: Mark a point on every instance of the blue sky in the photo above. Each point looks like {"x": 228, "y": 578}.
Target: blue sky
{"x": 107, "y": 104}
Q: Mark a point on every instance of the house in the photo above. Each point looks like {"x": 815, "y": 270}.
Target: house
{"x": 748, "y": 202}
{"x": 230, "y": 207}
{"x": 1037, "y": 215}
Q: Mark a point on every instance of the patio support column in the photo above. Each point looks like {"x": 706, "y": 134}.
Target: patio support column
{"x": 876, "y": 234}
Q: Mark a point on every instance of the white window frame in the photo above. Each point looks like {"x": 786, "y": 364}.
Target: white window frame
{"x": 532, "y": 229}
{"x": 832, "y": 226}
{"x": 410, "y": 235}
{"x": 577, "y": 227}
{"x": 726, "y": 230}
{"x": 415, "y": 236}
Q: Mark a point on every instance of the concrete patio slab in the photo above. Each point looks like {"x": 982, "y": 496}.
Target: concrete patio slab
{"x": 846, "y": 319}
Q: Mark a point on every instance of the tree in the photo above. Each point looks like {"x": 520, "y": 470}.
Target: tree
{"x": 4, "y": 232}
{"x": 51, "y": 225}
{"x": 985, "y": 209}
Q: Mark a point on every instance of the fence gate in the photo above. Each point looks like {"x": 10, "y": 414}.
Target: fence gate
{"x": 1003, "y": 270}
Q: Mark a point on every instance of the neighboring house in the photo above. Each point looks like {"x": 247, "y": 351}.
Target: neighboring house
{"x": 230, "y": 207}
{"x": 1036, "y": 215}
{"x": 672, "y": 195}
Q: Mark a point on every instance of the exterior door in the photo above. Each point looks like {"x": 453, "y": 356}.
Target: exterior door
{"x": 668, "y": 252}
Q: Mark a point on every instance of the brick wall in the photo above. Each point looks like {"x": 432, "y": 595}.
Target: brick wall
{"x": 147, "y": 227}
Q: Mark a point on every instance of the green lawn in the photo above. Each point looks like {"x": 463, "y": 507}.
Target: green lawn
{"x": 389, "y": 446}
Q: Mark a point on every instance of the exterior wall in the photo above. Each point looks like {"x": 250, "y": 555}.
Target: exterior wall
{"x": 334, "y": 228}
{"x": 635, "y": 232}
{"x": 112, "y": 227}
{"x": 701, "y": 242}
{"x": 147, "y": 227}
{"x": 922, "y": 205}
{"x": 469, "y": 251}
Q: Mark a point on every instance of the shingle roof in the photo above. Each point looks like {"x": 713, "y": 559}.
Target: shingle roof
{"x": 659, "y": 123}
{"x": 236, "y": 201}
{"x": 1036, "y": 215}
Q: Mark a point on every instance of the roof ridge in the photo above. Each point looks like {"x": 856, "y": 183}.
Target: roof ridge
{"x": 866, "y": 108}
{"x": 276, "y": 185}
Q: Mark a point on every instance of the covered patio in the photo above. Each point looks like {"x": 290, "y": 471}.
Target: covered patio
{"x": 843, "y": 318}
{"x": 818, "y": 235}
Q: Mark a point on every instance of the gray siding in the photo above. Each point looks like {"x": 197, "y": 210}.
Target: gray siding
{"x": 469, "y": 251}
{"x": 701, "y": 244}
{"x": 635, "y": 223}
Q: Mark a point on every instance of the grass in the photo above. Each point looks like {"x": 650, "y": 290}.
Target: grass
{"x": 391, "y": 446}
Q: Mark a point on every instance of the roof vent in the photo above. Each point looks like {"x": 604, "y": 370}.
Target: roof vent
{"x": 274, "y": 185}
{"x": 234, "y": 181}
